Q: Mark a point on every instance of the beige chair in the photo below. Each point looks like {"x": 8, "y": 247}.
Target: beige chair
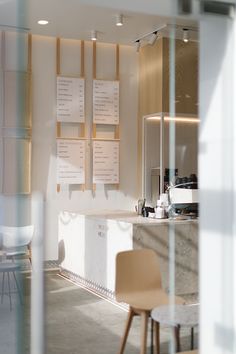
{"x": 16, "y": 240}
{"x": 138, "y": 283}
{"x": 191, "y": 352}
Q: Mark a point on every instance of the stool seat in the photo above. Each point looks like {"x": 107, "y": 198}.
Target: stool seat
{"x": 178, "y": 315}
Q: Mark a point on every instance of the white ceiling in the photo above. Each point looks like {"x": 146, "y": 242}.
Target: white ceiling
{"x": 75, "y": 19}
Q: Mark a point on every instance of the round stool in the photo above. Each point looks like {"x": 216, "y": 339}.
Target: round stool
{"x": 177, "y": 316}
{"x": 8, "y": 268}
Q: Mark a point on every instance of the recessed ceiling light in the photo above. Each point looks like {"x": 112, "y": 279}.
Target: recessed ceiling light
{"x": 93, "y": 35}
{"x": 43, "y": 22}
{"x": 119, "y": 20}
{"x": 185, "y": 35}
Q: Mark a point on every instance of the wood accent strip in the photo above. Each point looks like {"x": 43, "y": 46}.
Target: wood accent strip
{"x": 3, "y": 51}
{"x": 70, "y": 138}
{"x": 58, "y": 56}
{"x": 58, "y": 71}
{"x": 94, "y": 60}
{"x": 117, "y": 132}
{"x": 82, "y": 131}
{"x": 82, "y": 59}
{"x": 29, "y": 64}
{"x": 58, "y": 129}
{"x": 105, "y": 139}
{"x": 94, "y": 130}
{"x": 117, "y": 62}
{"x": 29, "y": 71}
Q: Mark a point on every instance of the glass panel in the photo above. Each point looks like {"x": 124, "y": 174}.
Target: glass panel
{"x": 170, "y": 177}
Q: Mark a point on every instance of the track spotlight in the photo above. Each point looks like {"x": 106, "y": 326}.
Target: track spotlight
{"x": 119, "y": 20}
{"x": 185, "y": 35}
{"x": 152, "y": 38}
{"x": 93, "y": 35}
{"x": 137, "y": 45}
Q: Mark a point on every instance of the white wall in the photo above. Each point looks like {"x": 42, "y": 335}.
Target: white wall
{"x": 44, "y": 131}
{"x": 17, "y": 210}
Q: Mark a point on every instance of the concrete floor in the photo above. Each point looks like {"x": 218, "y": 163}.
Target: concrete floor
{"x": 76, "y": 322}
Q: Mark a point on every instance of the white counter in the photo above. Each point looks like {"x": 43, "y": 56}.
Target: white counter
{"x": 89, "y": 242}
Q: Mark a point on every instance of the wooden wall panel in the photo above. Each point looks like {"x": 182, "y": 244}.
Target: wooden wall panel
{"x": 150, "y": 88}
{"x": 186, "y": 77}
{"x": 150, "y": 78}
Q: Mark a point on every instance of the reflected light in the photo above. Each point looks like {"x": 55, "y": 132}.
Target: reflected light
{"x": 176, "y": 119}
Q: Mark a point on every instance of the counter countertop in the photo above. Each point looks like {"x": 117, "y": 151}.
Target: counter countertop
{"x": 131, "y": 217}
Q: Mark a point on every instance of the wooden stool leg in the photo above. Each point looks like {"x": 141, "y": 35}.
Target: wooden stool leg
{"x": 144, "y": 325}
{"x": 127, "y": 328}
{"x": 192, "y": 338}
{"x": 177, "y": 338}
{"x": 157, "y": 337}
{"x": 152, "y": 322}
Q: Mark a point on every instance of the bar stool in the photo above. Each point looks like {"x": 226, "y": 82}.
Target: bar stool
{"x": 9, "y": 268}
{"x": 177, "y": 316}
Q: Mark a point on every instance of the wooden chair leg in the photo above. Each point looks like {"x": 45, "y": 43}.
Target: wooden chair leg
{"x": 127, "y": 328}
{"x": 144, "y": 325}
{"x": 157, "y": 337}
{"x": 152, "y": 326}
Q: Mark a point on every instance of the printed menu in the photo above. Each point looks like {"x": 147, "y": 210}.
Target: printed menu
{"x": 70, "y": 99}
{"x": 70, "y": 161}
{"x": 106, "y": 162}
{"x": 105, "y": 102}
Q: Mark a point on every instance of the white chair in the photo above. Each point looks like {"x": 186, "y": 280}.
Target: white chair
{"x": 16, "y": 241}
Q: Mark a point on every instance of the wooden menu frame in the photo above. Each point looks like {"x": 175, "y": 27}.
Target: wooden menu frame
{"x": 117, "y": 78}
{"x": 58, "y": 73}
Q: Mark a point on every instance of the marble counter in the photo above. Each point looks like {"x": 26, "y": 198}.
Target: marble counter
{"x": 131, "y": 217}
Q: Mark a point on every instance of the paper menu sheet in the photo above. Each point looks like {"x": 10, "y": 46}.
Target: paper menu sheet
{"x": 70, "y": 161}
{"x": 106, "y": 162}
{"x": 70, "y": 99}
{"x": 105, "y": 102}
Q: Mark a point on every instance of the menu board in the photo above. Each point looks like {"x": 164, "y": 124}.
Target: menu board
{"x": 70, "y": 99}
{"x": 70, "y": 161}
{"x": 105, "y": 102}
{"x": 105, "y": 162}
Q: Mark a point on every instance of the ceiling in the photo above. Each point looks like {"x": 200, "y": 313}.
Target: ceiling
{"x": 76, "y": 19}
